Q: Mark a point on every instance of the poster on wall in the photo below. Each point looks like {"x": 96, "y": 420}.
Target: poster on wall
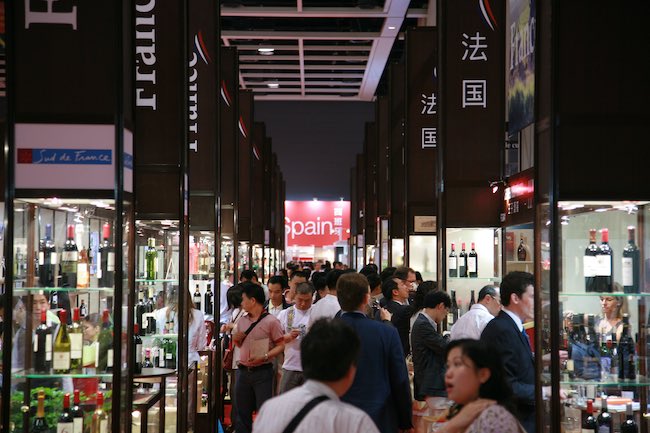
{"x": 521, "y": 70}
{"x": 316, "y": 223}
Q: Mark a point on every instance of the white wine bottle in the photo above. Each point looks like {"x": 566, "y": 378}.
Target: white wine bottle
{"x": 61, "y": 350}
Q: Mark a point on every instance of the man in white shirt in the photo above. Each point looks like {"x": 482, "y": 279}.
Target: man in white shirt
{"x": 471, "y": 324}
{"x": 276, "y": 302}
{"x": 225, "y": 313}
{"x": 329, "y": 356}
{"x": 328, "y": 306}
{"x": 294, "y": 321}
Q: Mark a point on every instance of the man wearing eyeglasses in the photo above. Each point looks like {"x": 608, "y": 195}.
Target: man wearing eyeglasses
{"x": 472, "y": 323}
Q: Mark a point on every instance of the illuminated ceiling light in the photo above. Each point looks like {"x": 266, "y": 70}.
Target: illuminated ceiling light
{"x": 266, "y": 51}
{"x": 314, "y": 199}
{"x": 391, "y": 27}
{"x": 273, "y": 85}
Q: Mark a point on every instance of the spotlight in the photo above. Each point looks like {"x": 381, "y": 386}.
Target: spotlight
{"x": 496, "y": 184}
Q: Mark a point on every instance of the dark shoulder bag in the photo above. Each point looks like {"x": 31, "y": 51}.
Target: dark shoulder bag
{"x": 293, "y": 424}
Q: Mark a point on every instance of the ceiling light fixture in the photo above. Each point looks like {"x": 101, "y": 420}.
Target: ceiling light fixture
{"x": 391, "y": 27}
{"x": 273, "y": 85}
{"x": 266, "y": 51}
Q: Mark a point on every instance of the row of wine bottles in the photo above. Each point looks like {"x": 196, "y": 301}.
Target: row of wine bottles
{"x": 71, "y": 419}
{"x": 59, "y": 349}
{"x": 73, "y": 268}
{"x": 162, "y": 352}
{"x": 603, "y": 422}
{"x": 463, "y": 265}
{"x": 455, "y": 311}
{"x": 598, "y": 263}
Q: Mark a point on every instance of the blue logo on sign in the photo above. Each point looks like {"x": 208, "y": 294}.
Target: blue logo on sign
{"x": 128, "y": 161}
{"x": 71, "y": 156}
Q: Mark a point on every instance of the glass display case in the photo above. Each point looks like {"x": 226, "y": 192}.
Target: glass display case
{"x": 519, "y": 254}
{"x": 422, "y": 255}
{"x": 382, "y": 229}
{"x": 268, "y": 263}
{"x": 65, "y": 313}
{"x": 473, "y": 261}
{"x": 372, "y": 255}
{"x": 361, "y": 256}
{"x": 257, "y": 255}
{"x": 602, "y": 292}
{"x": 397, "y": 252}
{"x": 243, "y": 256}
{"x": 227, "y": 257}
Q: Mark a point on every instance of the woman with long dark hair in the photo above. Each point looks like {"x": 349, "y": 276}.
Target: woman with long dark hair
{"x": 476, "y": 383}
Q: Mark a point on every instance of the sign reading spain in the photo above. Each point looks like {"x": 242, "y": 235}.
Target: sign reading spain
{"x": 317, "y": 223}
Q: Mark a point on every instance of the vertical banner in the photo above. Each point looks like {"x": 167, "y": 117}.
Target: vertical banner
{"x": 245, "y": 163}
{"x": 202, "y": 104}
{"x": 522, "y": 22}
{"x": 421, "y": 122}
{"x": 229, "y": 137}
{"x": 397, "y": 171}
{"x": 473, "y": 107}
{"x": 158, "y": 96}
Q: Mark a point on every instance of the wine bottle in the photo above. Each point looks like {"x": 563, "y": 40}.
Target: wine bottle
{"x": 589, "y": 424}
{"x": 137, "y": 349}
{"x": 105, "y": 340}
{"x": 47, "y": 260}
{"x": 452, "y": 315}
{"x": 589, "y": 264}
{"x": 626, "y": 352}
{"x": 614, "y": 350}
{"x": 197, "y": 298}
{"x": 472, "y": 300}
{"x": 605, "y": 357}
{"x": 66, "y": 422}
{"x": 61, "y": 351}
{"x": 83, "y": 310}
{"x": 521, "y": 249}
{"x": 99, "y": 422}
{"x": 629, "y": 425}
{"x": 83, "y": 270}
{"x": 147, "y": 364}
{"x": 204, "y": 260}
{"x": 194, "y": 257}
{"x": 604, "y": 261}
{"x": 69, "y": 260}
{"x": 43, "y": 346}
{"x": 40, "y": 425}
{"x": 630, "y": 264}
{"x": 140, "y": 310}
{"x": 151, "y": 259}
{"x": 77, "y": 414}
{"x": 604, "y": 420}
{"x": 106, "y": 259}
{"x": 453, "y": 262}
{"x": 472, "y": 263}
{"x": 462, "y": 262}
{"x": 75, "y": 331}
{"x": 207, "y": 298}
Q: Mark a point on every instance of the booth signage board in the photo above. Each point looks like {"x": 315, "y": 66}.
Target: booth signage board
{"x": 317, "y": 223}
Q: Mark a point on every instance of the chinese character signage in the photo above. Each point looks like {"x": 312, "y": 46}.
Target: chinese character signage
{"x": 317, "y": 223}
{"x": 521, "y": 64}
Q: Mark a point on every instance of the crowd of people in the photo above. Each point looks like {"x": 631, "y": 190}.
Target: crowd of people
{"x": 329, "y": 349}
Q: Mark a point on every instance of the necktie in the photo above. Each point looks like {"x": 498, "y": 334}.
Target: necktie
{"x": 523, "y": 331}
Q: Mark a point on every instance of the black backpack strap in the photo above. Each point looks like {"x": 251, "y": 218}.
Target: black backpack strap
{"x": 291, "y": 427}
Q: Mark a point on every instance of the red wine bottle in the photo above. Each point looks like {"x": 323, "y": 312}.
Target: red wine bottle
{"x": 47, "y": 260}
{"x": 629, "y": 425}
{"x": 462, "y": 262}
{"x": 604, "y": 420}
{"x": 589, "y": 424}
{"x": 604, "y": 261}
{"x": 43, "y": 346}
{"x": 66, "y": 422}
{"x": 77, "y": 414}
{"x": 630, "y": 264}
{"x": 69, "y": 260}
{"x": 472, "y": 263}
{"x": 137, "y": 349}
{"x": 453, "y": 262}
{"x": 106, "y": 258}
{"x": 589, "y": 265}
{"x": 521, "y": 250}
{"x": 626, "y": 352}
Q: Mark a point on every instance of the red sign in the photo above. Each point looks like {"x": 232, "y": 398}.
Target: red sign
{"x": 317, "y": 223}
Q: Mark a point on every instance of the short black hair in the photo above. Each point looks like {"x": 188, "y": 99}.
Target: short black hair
{"x": 319, "y": 279}
{"x": 297, "y": 274}
{"x": 336, "y": 262}
{"x": 420, "y": 293}
{"x": 253, "y": 291}
{"x": 368, "y": 269}
{"x": 433, "y": 299}
{"x": 387, "y": 288}
{"x": 332, "y": 278}
{"x": 247, "y": 274}
{"x": 515, "y": 282}
{"x": 351, "y": 290}
{"x": 487, "y": 290}
{"x": 387, "y": 273}
{"x": 373, "y": 280}
{"x": 418, "y": 276}
{"x": 278, "y": 279}
{"x": 328, "y": 350}
{"x": 402, "y": 272}
{"x": 233, "y": 296}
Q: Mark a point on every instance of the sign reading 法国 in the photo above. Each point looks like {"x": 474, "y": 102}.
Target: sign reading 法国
{"x": 317, "y": 223}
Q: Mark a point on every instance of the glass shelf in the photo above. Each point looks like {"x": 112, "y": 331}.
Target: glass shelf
{"x": 639, "y": 381}
{"x": 597, "y": 294}
{"x": 490, "y": 279}
{"x": 523, "y": 262}
{"x": 64, "y": 289}
{"x": 144, "y": 280}
{"x": 160, "y": 336}
{"x": 29, "y": 374}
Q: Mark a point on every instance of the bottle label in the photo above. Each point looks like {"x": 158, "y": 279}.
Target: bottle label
{"x": 61, "y": 361}
{"x": 110, "y": 262}
{"x": 589, "y": 266}
{"x": 168, "y": 356}
{"x": 604, "y": 265}
{"x": 450, "y": 319}
{"x": 65, "y": 427}
{"x": 109, "y": 358}
{"x": 54, "y": 258}
{"x": 103, "y": 426}
{"x": 69, "y": 256}
{"x": 587, "y": 430}
{"x": 453, "y": 262}
{"x": 161, "y": 358}
{"x": 471, "y": 264}
{"x": 35, "y": 345}
{"x": 605, "y": 429}
{"x": 82, "y": 275}
{"x": 138, "y": 353}
{"x": 76, "y": 345}
{"x": 48, "y": 347}
{"x": 98, "y": 273}
{"x": 78, "y": 425}
{"x": 461, "y": 262}
{"x": 41, "y": 258}
{"x": 628, "y": 273}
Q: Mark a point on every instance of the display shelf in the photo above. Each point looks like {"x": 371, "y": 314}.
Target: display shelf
{"x": 638, "y": 382}
{"x": 144, "y": 280}
{"x": 598, "y": 294}
{"x": 29, "y": 374}
{"x": 63, "y": 289}
{"x": 523, "y": 262}
{"x": 490, "y": 279}
{"x": 160, "y": 336}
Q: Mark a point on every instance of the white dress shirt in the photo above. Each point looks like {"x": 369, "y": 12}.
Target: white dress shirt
{"x": 292, "y": 349}
{"x": 326, "y": 307}
{"x": 472, "y": 323}
{"x": 225, "y": 314}
{"x": 518, "y": 322}
{"x": 272, "y": 309}
{"x": 330, "y": 416}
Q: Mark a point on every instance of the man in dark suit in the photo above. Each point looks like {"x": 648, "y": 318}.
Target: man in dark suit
{"x": 396, "y": 293}
{"x": 381, "y": 385}
{"x": 506, "y": 335}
